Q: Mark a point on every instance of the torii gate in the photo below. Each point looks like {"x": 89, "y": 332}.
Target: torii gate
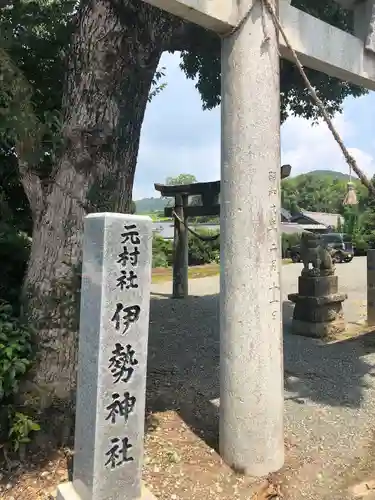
{"x": 251, "y": 361}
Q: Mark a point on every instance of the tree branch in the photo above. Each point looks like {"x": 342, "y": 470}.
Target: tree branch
{"x": 5, "y": 3}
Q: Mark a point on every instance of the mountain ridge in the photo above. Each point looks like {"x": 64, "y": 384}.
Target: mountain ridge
{"x": 325, "y": 173}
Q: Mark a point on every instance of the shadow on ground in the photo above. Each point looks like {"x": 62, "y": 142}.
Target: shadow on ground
{"x": 183, "y": 363}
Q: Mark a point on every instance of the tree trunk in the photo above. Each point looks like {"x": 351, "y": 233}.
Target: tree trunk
{"x": 115, "y": 52}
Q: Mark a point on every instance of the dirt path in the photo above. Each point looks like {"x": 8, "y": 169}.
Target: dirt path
{"x": 329, "y": 406}
{"x": 329, "y": 389}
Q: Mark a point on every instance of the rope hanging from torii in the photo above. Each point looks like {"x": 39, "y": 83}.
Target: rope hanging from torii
{"x": 351, "y": 198}
{"x": 194, "y": 233}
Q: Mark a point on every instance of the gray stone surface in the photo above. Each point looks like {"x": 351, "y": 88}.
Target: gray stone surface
{"x": 317, "y": 301}
{"x": 251, "y": 413}
{"x": 370, "y": 38}
{"x": 317, "y": 286}
{"x": 319, "y": 330}
{"x": 313, "y": 252}
{"x": 324, "y": 313}
{"x": 329, "y": 388}
{"x": 112, "y": 365}
{"x": 67, "y": 492}
{"x": 364, "y": 23}
{"x": 318, "y": 311}
{"x": 371, "y": 287}
{"x": 326, "y": 49}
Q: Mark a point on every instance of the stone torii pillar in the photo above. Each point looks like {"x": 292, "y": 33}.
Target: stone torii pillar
{"x": 251, "y": 361}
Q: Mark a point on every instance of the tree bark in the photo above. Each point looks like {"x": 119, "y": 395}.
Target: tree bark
{"x": 115, "y": 51}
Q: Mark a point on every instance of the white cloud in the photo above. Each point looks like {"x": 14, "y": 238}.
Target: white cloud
{"x": 312, "y": 147}
{"x": 179, "y": 137}
{"x": 203, "y": 161}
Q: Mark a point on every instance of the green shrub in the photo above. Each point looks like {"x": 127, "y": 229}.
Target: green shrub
{"x": 361, "y": 243}
{"x": 14, "y": 255}
{"x": 159, "y": 260}
{"x": 162, "y": 252}
{"x": 203, "y": 252}
{"x": 200, "y": 252}
{"x": 15, "y": 351}
{"x": 15, "y": 359}
{"x": 21, "y": 426}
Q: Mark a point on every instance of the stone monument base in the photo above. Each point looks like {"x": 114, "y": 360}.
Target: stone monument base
{"x": 318, "y": 307}
{"x": 318, "y": 330}
{"x": 66, "y": 491}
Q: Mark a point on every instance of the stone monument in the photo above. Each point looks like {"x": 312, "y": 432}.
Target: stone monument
{"x": 111, "y": 383}
{"x": 318, "y": 305}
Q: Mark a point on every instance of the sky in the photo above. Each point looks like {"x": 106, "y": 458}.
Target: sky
{"x": 179, "y": 137}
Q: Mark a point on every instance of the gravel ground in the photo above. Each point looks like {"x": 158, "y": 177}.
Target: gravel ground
{"x": 329, "y": 388}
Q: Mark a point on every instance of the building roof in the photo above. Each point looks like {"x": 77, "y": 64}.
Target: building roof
{"x": 291, "y": 228}
{"x": 313, "y": 227}
{"x": 321, "y": 218}
{"x": 285, "y": 214}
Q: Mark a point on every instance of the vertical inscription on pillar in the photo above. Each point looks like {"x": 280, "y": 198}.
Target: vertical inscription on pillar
{"x": 273, "y": 232}
{"x": 113, "y": 356}
{"x": 371, "y": 287}
{"x": 123, "y": 361}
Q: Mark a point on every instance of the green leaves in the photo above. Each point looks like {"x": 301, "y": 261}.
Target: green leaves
{"x": 15, "y": 351}
{"x": 181, "y": 179}
{"x": 156, "y": 86}
{"x": 201, "y": 61}
{"x": 35, "y": 35}
{"x": 319, "y": 192}
{"x": 15, "y": 359}
{"x": 22, "y": 426}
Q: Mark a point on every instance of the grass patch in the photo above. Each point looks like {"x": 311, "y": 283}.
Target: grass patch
{"x": 156, "y": 217}
{"x": 163, "y": 274}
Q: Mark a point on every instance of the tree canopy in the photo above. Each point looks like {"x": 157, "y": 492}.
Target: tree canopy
{"x": 201, "y": 60}
{"x": 36, "y": 37}
{"x": 319, "y": 193}
{"x": 181, "y": 179}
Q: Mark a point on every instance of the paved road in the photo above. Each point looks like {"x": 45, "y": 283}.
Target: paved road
{"x": 329, "y": 388}
{"x": 352, "y": 280}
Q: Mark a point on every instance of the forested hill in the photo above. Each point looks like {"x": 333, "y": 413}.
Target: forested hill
{"x": 319, "y": 191}
{"x": 149, "y": 205}
{"x": 330, "y": 174}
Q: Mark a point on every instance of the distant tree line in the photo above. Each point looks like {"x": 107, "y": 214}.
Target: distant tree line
{"x": 319, "y": 193}
{"x": 325, "y": 193}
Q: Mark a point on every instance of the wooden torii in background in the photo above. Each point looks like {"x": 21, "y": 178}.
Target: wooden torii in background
{"x": 209, "y": 193}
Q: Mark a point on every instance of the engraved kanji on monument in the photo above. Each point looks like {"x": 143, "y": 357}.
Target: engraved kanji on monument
{"x": 111, "y": 383}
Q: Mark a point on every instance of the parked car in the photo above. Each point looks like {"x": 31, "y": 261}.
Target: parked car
{"x": 340, "y": 244}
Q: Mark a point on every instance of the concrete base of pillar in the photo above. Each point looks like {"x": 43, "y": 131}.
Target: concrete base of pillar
{"x": 66, "y": 491}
